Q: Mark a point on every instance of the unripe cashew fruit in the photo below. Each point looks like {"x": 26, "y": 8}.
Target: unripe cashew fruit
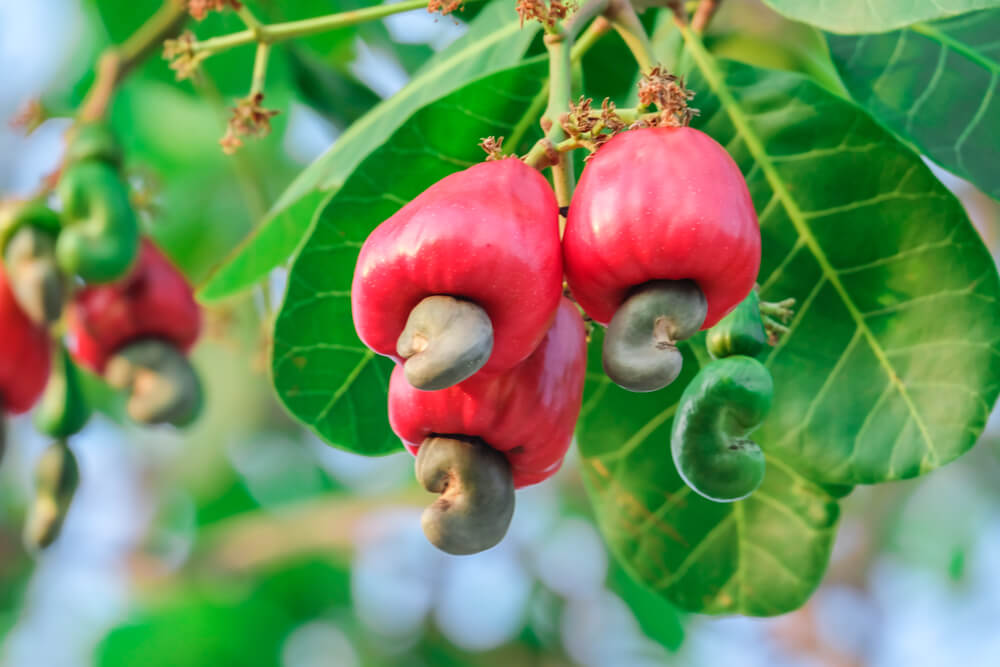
{"x": 660, "y": 206}
{"x": 100, "y": 236}
{"x": 466, "y": 276}
{"x": 28, "y": 235}
{"x": 741, "y": 332}
{"x": 56, "y": 478}
{"x": 526, "y": 414}
{"x": 92, "y": 141}
{"x": 135, "y": 333}
{"x": 710, "y": 444}
{"x": 63, "y": 409}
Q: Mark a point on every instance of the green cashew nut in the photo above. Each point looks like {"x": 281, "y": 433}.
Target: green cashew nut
{"x": 640, "y": 347}
{"x": 477, "y": 494}
{"x": 63, "y": 409}
{"x": 162, "y": 385}
{"x": 445, "y": 341}
{"x": 739, "y": 332}
{"x": 100, "y": 237}
{"x": 724, "y": 403}
{"x": 28, "y": 239}
{"x": 56, "y": 478}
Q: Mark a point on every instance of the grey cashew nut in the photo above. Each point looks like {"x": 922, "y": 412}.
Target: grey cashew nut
{"x": 640, "y": 346}
{"x": 35, "y": 280}
{"x": 445, "y": 341}
{"x": 477, "y": 494}
{"x": 162, "y": 385}
{"x": 56, "y": 478}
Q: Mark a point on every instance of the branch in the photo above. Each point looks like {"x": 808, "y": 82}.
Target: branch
{"x": 625, "y": 21}
{"x": 703, "y": 15}
{"x": 117, "y": 62}
{"x": 280, "y": 32}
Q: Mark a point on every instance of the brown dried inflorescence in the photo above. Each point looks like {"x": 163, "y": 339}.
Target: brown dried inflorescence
{"x": 184, "y": 60}
{"x": 249, "y": 119}
{"x": 493, "y": 147}
{"x": 199, "y": 9}
{"x": 444, "y": 7}
{"x": 546, "y": 14}
{"x": 29, "y": 116}
{"x": 588, "y": 127}
{"x": 667, "y": 93}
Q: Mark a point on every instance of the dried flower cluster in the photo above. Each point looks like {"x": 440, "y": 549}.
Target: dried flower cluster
{"x": 29, "y": 116}
{"x": 546, "y": 14}
{"x": 184, "y": 60}
{"x": 199, "y": 9}
{"x": 444, "y": 7}
{"x": 493, "y": 147}
{"x": 667, "y": 93}
{"x": 590, "y": 128}
{"x": 249, "y": 119}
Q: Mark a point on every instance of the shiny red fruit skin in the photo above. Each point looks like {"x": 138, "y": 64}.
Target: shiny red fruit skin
{"x": 24, "y": 355}
{"x": 154, "y": 301}
{"x": 528, "y": 413}
{"x": 661, "y": 203}
{"x": 490, "y": 234}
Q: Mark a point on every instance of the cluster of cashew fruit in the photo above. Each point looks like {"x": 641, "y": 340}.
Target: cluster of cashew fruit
{"x": 85, "y": 275}
{"x": 463, "y": 287}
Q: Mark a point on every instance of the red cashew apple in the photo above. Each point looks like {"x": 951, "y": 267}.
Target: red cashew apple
{"x": 661, "y": 240}
{"x": 464, "y": 277}
{"x": 518, "y": 424}
{"x": 25, "y": 355}
{"x": 136, "y": 333}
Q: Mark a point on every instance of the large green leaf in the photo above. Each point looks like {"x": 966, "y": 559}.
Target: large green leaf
{"x": 890, "y": 368}
{"x": 322, "y": 372}
{"x": 495, "y": 40}
{"x": 936, "y": 85}
{"x": 860, "y": 16}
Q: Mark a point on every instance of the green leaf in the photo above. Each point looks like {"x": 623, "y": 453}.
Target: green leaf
{"x": 937, "y": 86}
{"x": 862, "y": 16}
{"x": 889, "y": 370}
{"x": 760, "y": 556}
{"x": 494, "y": 41}
{"x": 322, "y": 372}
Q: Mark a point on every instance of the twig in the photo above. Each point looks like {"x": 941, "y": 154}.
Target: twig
{"x": 625, "y": 21}
{"x": 280, "y": 32}
{"x": 703, "y": 14}
{"x": 116, "y": 62}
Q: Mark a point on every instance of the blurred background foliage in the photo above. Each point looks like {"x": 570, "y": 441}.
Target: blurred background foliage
{"x": 246, "y": 541}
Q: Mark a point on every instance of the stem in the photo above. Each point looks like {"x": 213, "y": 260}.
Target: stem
{"x": 248, "y": 18}
{"x": 559, "y": 44}
{"x": 703, "y": 15}
{"x": 625, "y": 21}
{"x": 680, "y": 14}
{"x": 260, "y": 68}
{"x": 117, "y": 62}
{"x": 587, "y": 40}
{"x": 589, "y": 37}
{"x": 280, "y": 32}
{"x": 560, "y": 91}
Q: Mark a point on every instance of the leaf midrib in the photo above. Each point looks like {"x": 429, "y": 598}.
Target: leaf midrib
{"x": 714, "y": 78}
